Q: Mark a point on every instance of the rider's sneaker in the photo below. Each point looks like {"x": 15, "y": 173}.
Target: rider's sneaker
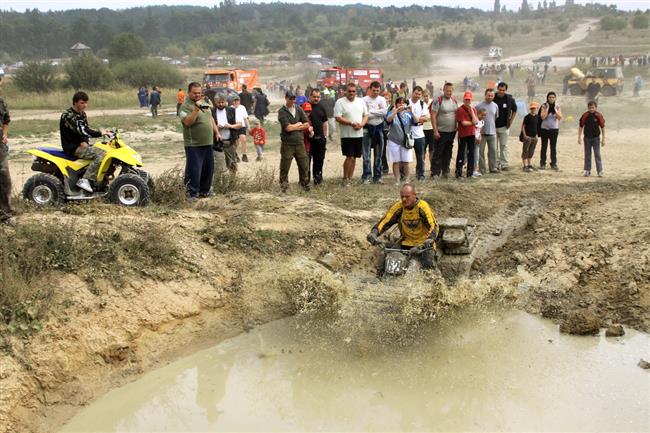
{"x": 244, "y": 158}
{"x": 85, "y": 185}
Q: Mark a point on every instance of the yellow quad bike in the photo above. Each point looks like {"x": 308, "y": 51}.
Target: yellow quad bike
{"x": 119, "y": 178}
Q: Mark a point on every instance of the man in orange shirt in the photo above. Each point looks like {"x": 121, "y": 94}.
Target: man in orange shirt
{"x": 180, "y": 98}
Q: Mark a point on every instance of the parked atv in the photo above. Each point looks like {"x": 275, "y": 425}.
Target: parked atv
{"x": 119, "y": 178}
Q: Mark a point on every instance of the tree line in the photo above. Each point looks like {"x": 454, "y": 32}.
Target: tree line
{"x": 245, "y": 28}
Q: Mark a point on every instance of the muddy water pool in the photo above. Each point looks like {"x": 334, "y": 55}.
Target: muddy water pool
{"x": 500, "y": 371}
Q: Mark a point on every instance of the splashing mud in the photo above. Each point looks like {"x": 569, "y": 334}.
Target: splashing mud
{"x": 369, "y": 313}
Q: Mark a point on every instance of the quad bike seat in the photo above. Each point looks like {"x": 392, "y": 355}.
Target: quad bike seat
{"x": 58, "y": 153}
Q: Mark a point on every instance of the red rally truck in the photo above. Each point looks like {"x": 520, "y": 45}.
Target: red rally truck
{"x": 337, "y": 76}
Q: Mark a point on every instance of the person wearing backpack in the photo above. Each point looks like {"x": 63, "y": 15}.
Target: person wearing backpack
{"x": 443, "y": 118}
{"x": 400, "y": 121}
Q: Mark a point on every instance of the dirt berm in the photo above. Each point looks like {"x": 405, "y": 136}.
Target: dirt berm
{"x": 149, "y": 285}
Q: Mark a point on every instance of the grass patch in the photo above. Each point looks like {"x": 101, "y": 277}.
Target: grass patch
{"x": 123, "y": 97}
{"x": 241, "y": 235}
{"x": 46, "y": 127}
{"x": 34, "y": 250}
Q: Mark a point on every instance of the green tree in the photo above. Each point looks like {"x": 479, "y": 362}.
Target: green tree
{"x": 377, "y": 42}
{"x": 346, "y": 58}
{"x": 88, "y": 72}
{"x": 612, "y": 23}
{"x": 36, "y": 77}
{"x": 640, "y": 21}
{"x": 125, "y": 47}
{"x": 410, "y": 56}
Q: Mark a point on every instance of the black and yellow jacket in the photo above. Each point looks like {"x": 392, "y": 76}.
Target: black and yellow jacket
{"x": 416, "y": 225}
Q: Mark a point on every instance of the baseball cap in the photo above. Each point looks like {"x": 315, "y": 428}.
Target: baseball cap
{"x": 306, "y": 106}
{"x": 468, "y": 95}
{"x": 533, "y": 105}
{"x": 290, "y": 95}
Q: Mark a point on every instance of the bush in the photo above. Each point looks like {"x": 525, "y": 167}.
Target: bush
{"x": 640, "y": 21}
{"x": 147, "y": 72}
{"x": 563, "y": 26}
{"x": 447, "y": 40}
{"x": 36, "y": 77}
{"x": 612, "y": 23}
{"x": 482, "y": 40}
{"x": 88, "y": 72}
{"x": 410, "y": 56}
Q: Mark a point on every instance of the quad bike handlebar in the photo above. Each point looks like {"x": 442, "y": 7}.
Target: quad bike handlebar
{"x": 415, "y": 251}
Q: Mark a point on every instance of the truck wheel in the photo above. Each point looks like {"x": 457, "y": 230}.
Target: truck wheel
{"x": 608, "y": 91}
{"x": 129, "y": 190}
{"x": 44, "y": 190}
{"x": 576, "y": 90}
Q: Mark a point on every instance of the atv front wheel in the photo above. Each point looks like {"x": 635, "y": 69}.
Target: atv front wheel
{"x": 576, "y": 90}
{"x": 44, "y": 190}
{"x": 129, "y": 190}
{"x": 608, "y": 91}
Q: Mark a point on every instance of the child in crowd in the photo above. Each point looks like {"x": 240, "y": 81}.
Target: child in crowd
{"x": 592, "y": 123}
{"x": 478, "y": 131}
{"x": 259, "y": 138}
{"x": 528, "y": 136}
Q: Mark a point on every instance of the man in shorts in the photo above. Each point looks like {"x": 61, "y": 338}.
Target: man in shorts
{"x": 351, "y": 114}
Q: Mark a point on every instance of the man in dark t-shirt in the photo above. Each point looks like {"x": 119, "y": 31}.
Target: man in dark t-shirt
{"x": 318, "y": 119}
{"x": 507, "y": 112}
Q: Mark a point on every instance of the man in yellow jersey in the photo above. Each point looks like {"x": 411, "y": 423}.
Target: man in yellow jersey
{"x": 417, "y": 225}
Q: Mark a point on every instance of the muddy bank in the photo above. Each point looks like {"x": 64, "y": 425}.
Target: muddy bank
{"x": 251, "y": 266}
{"x": 589, "y": 251}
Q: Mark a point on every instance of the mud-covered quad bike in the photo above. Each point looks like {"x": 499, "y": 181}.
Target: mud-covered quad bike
{"x": 399, "y": 262}
{"x": 119, "y": 178}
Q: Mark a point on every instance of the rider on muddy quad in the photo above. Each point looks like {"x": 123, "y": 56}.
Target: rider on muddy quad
{"x": 417, "y": 225}
{"x": 75, "y": 137}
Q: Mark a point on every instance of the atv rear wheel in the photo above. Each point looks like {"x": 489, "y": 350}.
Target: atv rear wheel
{"x": 129, "y": 190}
{"x": 44, "y": 190}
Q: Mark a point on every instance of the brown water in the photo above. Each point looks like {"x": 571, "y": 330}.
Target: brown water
{"x": 504, "y": 371}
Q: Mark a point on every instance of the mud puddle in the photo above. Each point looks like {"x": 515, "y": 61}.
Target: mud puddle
{"x": 502, "y": 371}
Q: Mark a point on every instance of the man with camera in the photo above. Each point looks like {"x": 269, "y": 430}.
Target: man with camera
{"x": 199, "y": 134}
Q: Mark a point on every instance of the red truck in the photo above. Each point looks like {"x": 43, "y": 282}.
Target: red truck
{"x": 337, "y": 76}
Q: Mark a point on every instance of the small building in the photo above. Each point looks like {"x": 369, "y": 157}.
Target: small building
{"x": 79, "y": 48}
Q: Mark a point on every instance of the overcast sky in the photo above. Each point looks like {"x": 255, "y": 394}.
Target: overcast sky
{"x": 44, "y": 5}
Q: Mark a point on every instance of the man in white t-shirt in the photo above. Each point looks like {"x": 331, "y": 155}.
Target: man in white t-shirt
{"x": 420, "y": 114}
{"x": 488, "y": 135}
{"x": 373, "y": 136}
{"x": 241, "y": 116}
{"x": 226, "y": 120}
{"x": 351, "y": 114}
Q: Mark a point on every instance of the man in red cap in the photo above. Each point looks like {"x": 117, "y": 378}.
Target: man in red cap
{"x": 467, "y": 119}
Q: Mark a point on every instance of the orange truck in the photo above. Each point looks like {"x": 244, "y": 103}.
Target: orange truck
{"x": 231, "y": 79}
{"x": 338, "y": 76}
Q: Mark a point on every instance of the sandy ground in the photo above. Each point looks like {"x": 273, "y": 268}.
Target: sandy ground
{"x": 565, "y": 243}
